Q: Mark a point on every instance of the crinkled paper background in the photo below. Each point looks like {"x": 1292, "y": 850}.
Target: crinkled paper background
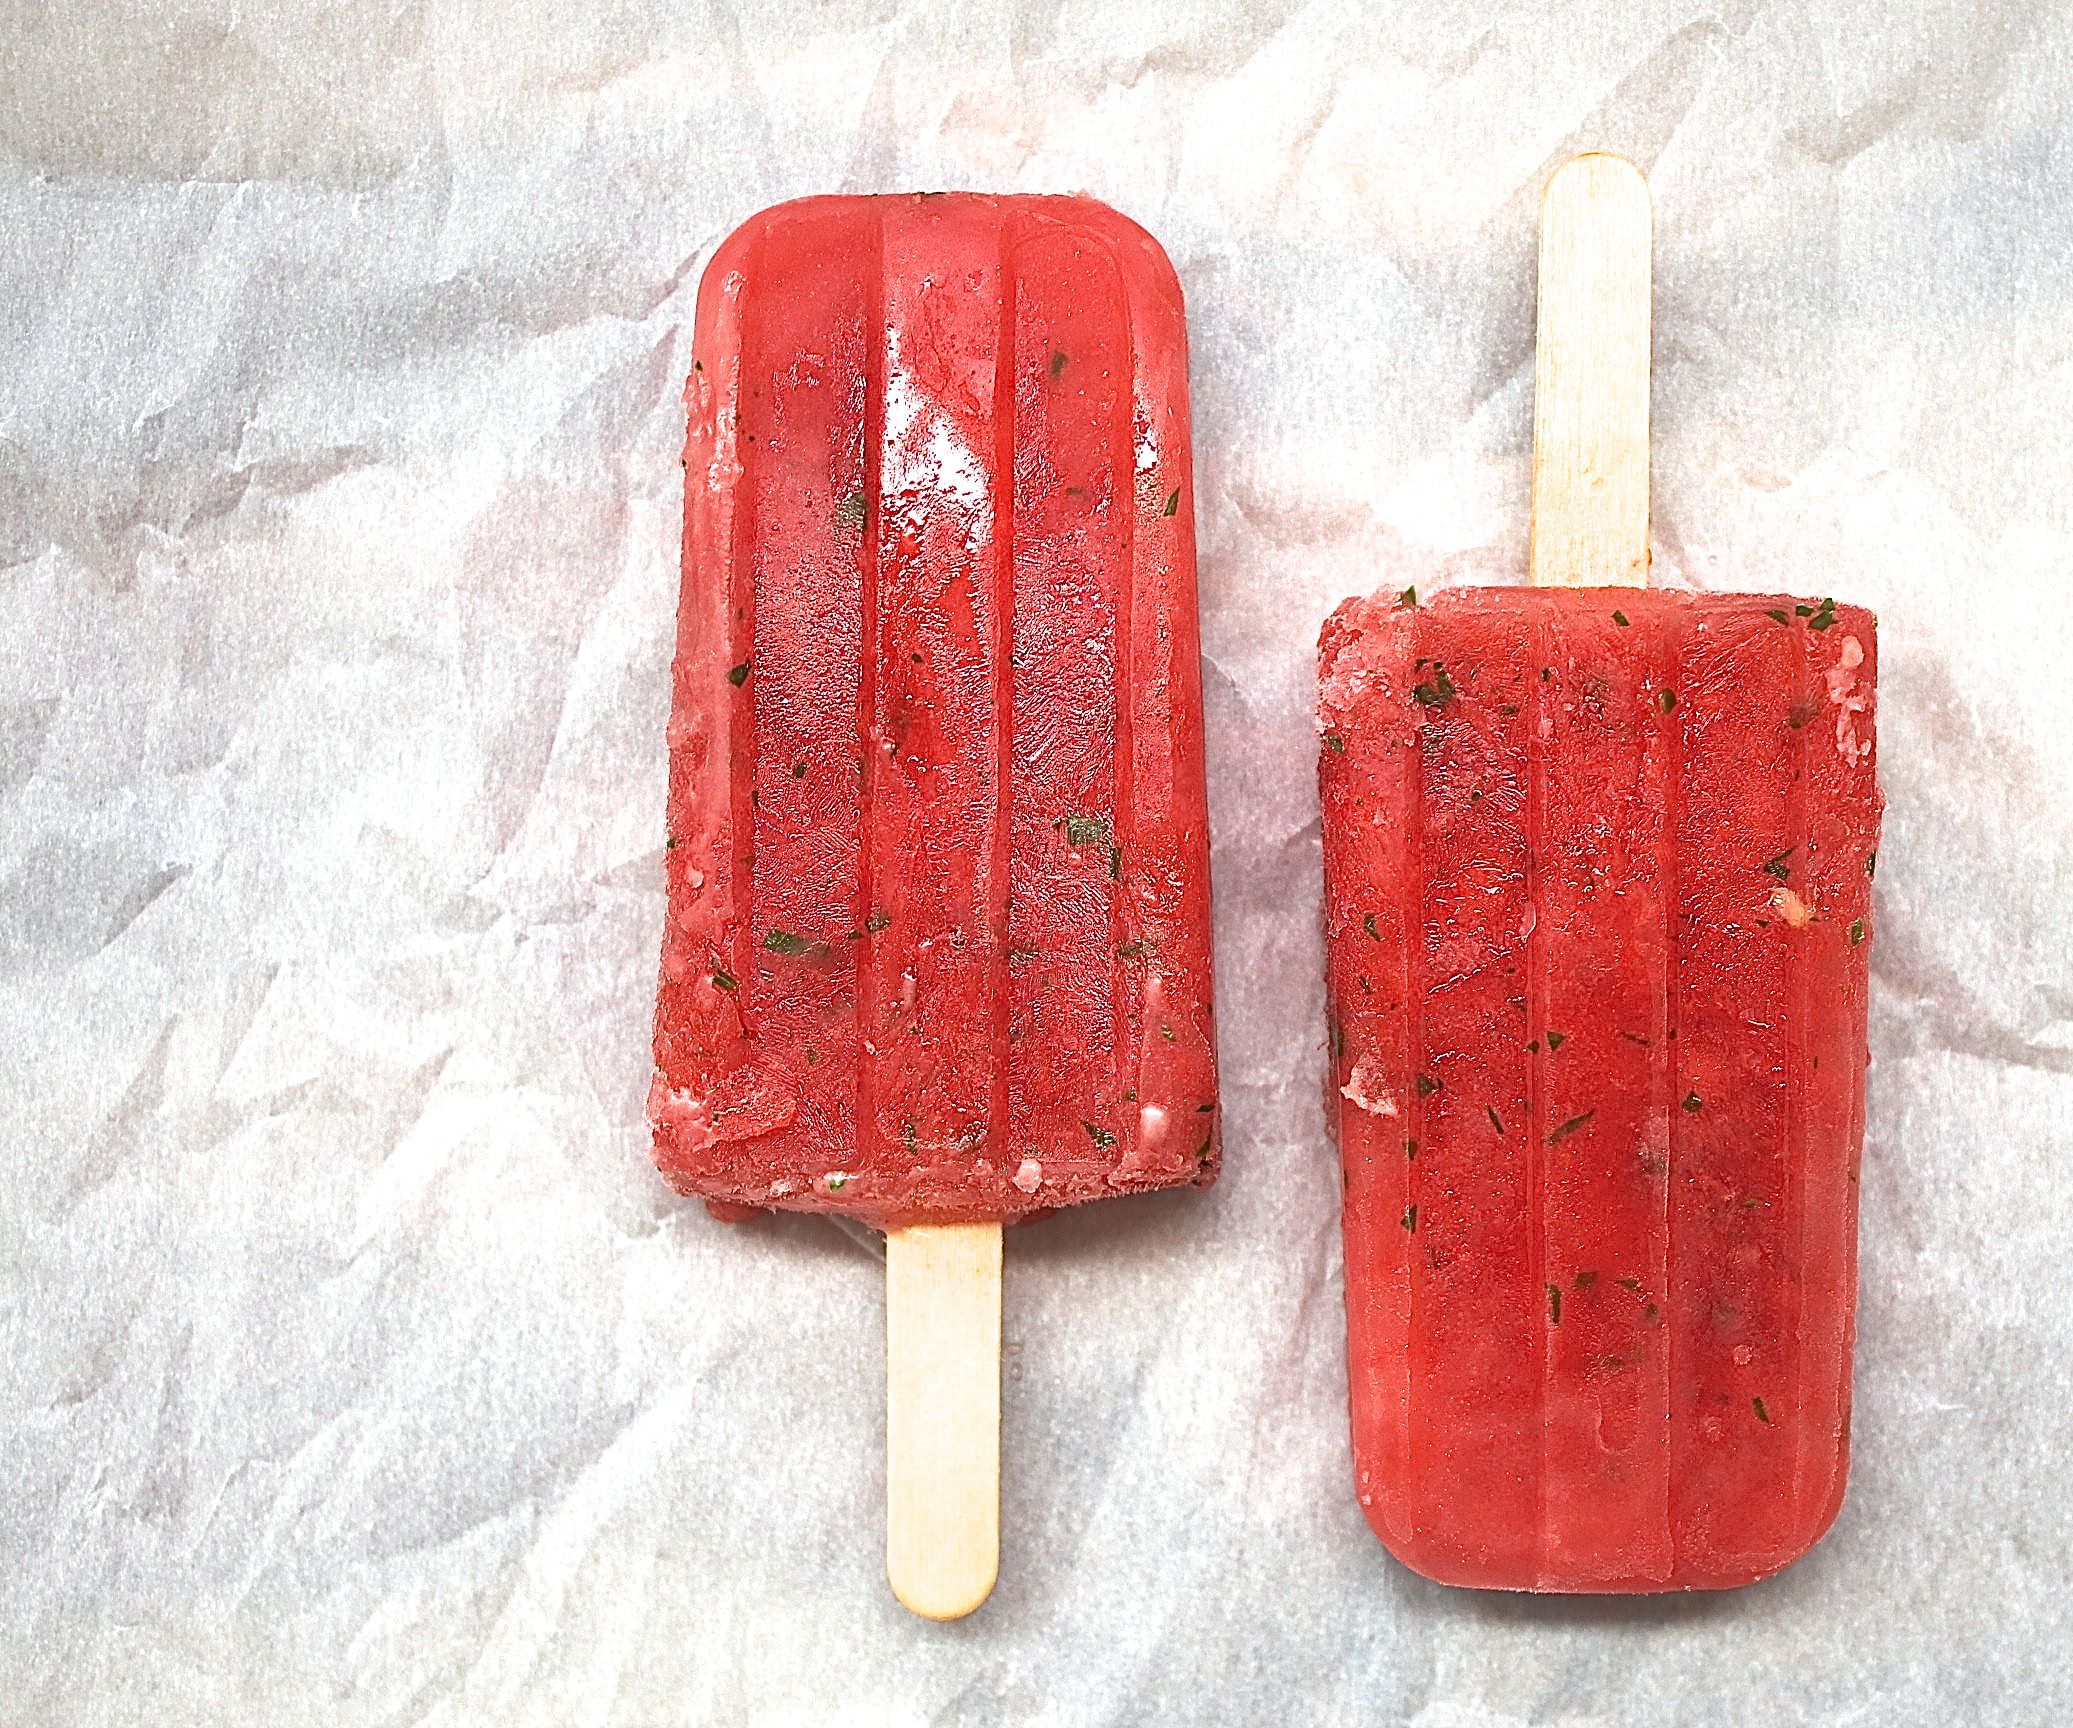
{"x": 357, "y": 1369}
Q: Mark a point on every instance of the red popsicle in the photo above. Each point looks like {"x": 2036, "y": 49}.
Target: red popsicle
{"x": 1598, "y": 870}
{"x": 938, "y": 942}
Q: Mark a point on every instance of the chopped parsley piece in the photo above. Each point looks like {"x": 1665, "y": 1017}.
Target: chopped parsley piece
{"x": 1410, "y": 1219}
{"x": 1085, "y": 830}
{"x": 738, "y": 675}
{"x": 1584, "y": 1280}
{"x": 837, "y": 1181}
{"x": 1172, "y": 503}
{"x": 1633, "y": 1284}
{"x": 1100, "y": 1136}
{"x": 1620, "y": 618}
{"x": 1856, "y": 931}
{"x": 1367, "y": 923}
{"x": 1436, "y": 690}
{"x": 798, "y": 770}
{"x": 1427, "y": 1085}
{"x": 850, "y": 512}
{"x": 1823, "y": 617}
{"x": 1335, "y": 744}
{"x": 1871, "y": 865}
{"x": 1555, "y": 1040}
{"x": 1762, "y": 1415}
{"x": 1115, "y": 863}
{"x": 1693, "y": 1103}
{"x": 670, "y": 844}
{"x": 1554, "y": 1305}
{"x": 812, "y": 1056}
{"x": 1777, "y": 613}
{"x": 1410, "y": 1148}
{"x": 1496, "y": 1121}
{"x": 1129, "y": 950}
{"x": 1779, "y": 866}
{"x": 877, "y": 922}
{"x": 1570, "y": 1127}
{"x": 1666, "y": 699}
{"x": 784, "y": 942}
{"x": 1409, "y": 597}
{"x": 1166, "y": 1032}
{"x": 1057, "y": 362}
{"x": 724, "y": 980}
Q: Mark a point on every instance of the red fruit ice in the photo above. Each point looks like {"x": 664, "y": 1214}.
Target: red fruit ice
{"x": 1598, "y": 898}
{"x": 938, "y": 916}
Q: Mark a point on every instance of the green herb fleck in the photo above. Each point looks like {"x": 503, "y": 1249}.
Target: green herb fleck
{"x": 1824, "y": 616}
{"x": 784, "y": 942}
{"x": 1085, "y": 830}
{"x": 1762, "y": 1415}
{"x": 1166, "y": 1032}
{"x": 1693, "y": 1103}
{"x": 1666, "y": 699}
{"x": 1496, "y": 1121}
{"x": 1427, "y": 1085}
{"x": 1436, "y": 690}
{"x": 1057, "y": 362}
{"x": 1570, "y": 1127}
{"x": 1871, "y": 865}
{"x": 670, "y": 844}
{"x": 1554, "y": 1305}
{"x": 1856, "y": 931}
{"x": 1202, "y": 1151}
{"x": 850, "y": 512}
{"x": 812, "y": 1056}
{"x": 1205, "y": 1109}
{"x": 1409, "y": 597}
{"x": 724, "y": 980}
{"x": 1410, "y": 1219}
{"x": 1780, "y": 866}
{"x": 837, "y": 1181}
{"x": 877, "y": 922}
{"x": 1100, "y": 1136}
{"x": 1172, "y": 503}
{"x": 738, "y": 675}
{"x": 798, "y": 770}
{"x": 1115, "y": 863}
{"x": 1777, "y": 613}
{"x": 1367, "y": 923}
{"x": 1410, "y": 1148}
{"x": 1620, "y": 618}
{"x": 1631, "y": 1284}
{"x": 1584, "y": 1280}
{"x": 1129, "y": 950}
{"x": 1555, "y": 1039}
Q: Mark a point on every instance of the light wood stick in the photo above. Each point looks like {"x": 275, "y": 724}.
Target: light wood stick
{"x": 1590, "y": 401}
{"x": 942, "y": 1415}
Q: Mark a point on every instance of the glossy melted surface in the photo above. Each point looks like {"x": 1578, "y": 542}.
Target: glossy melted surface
{"x": 1598, "y": 888}
{"x": 938, "y": 938}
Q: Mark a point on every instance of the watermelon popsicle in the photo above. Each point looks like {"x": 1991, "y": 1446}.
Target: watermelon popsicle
{"x": 937, "y": 951}
{"x": 1598, "y": 900}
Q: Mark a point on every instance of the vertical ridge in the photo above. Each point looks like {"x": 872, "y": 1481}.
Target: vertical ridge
{"x": 1414, "y": 1044}
{"x": 1798, "y": 1076}
{"x": 1536, "y": 1019}
{"x": 867, "y": 685}
{"x": 741, "y": 735}
{"x": 1001, "y": 885}
{"x": 1122, "y": 813}
{"x": 1672, "y": 890}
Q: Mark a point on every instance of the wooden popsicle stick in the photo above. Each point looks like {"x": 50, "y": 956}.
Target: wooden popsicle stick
{"x": 1590, "y": 396}
{"x": 942, "y": 1415}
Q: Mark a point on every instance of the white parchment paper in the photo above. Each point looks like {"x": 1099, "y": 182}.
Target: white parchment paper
{"x": 354, "y": 1365}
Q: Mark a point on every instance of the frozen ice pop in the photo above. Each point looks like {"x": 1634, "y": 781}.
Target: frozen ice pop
{"x": 1598, "y": 899}
{"x": 938, "y": 941}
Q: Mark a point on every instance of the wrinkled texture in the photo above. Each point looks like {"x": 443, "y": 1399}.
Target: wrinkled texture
{"x": 1598, "y": 870}
{"x": 937, "y": 939}
{"x": 360, "y": 1368}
